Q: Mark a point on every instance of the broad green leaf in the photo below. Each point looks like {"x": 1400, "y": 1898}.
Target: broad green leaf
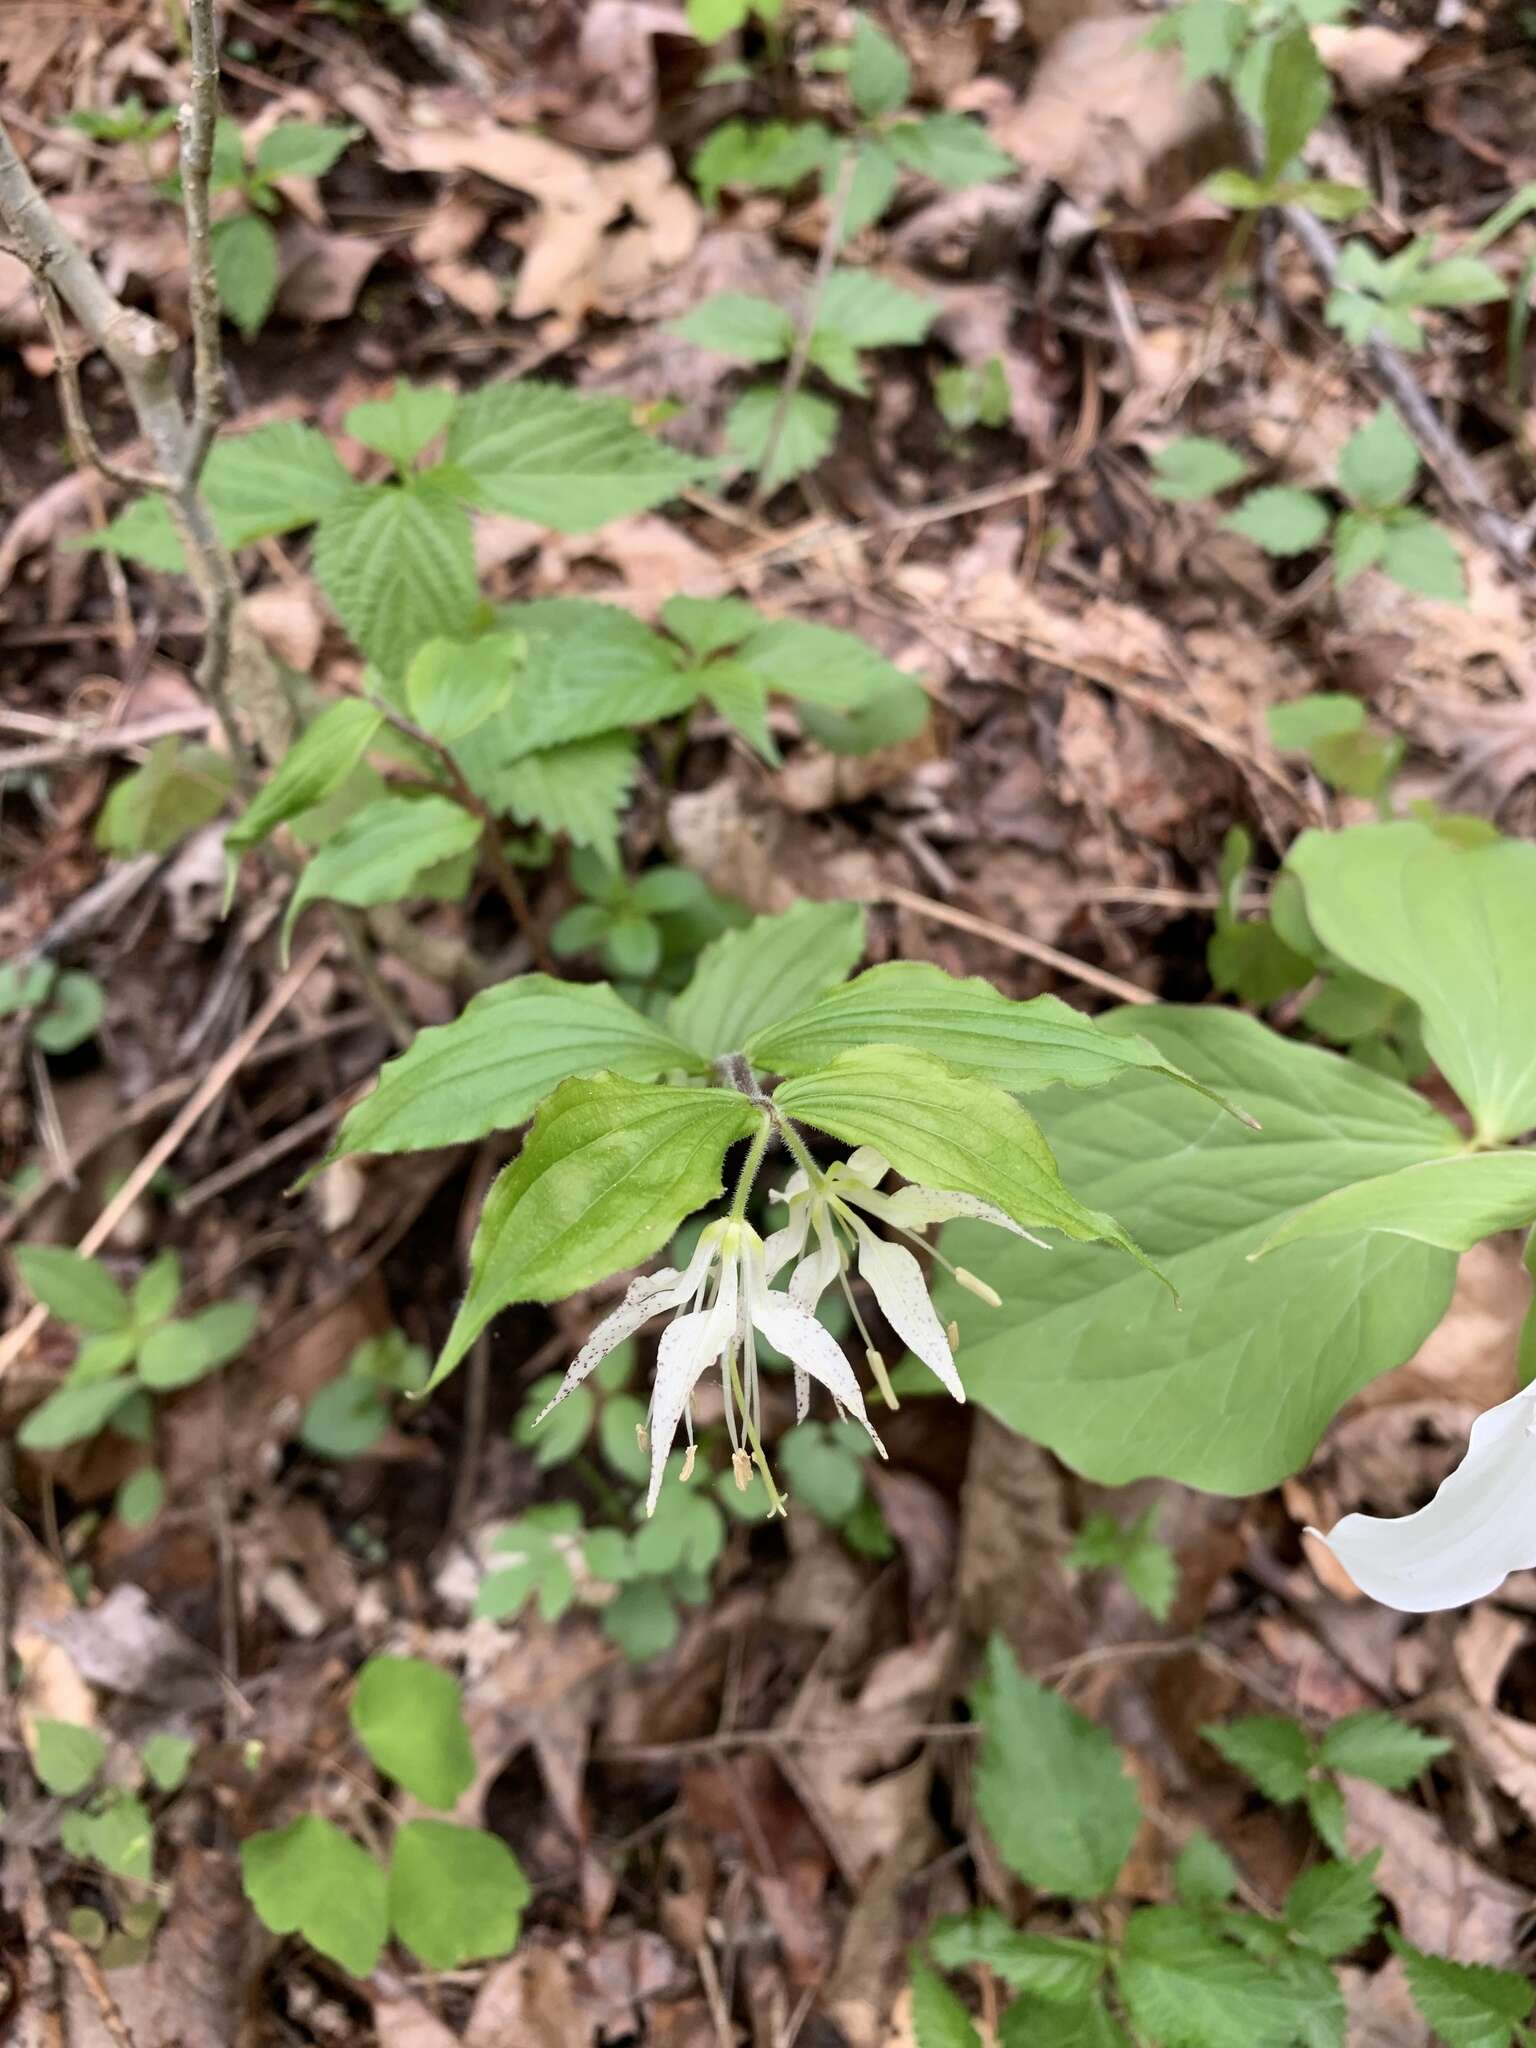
{"x": 820, "y": 1471}
{"x": 312, "y": 770}
{"x": 1196, "y": 467}
{"x": 818, "y": 664}
{"x": 381, "y": 852}
{"x": 1185, "y": 1987}
{"x": 709, "y": 625}
{"x": 642, "y": 1620}
{"x": 1333, "y": 1907}
{"x": 407, "y": 1715}
{"x": 1379, "y": 465}
{"x": 879, "y": 76}
{"x": 1210, "y": 33}
{"x": 945, "y": 1130}
{"x": 309, "y": 1878}
{"x": 1377, "y": 1745}
{"x": 1282, "y": 520}
{"x": 453, "y": 686}
{"x": 1033, "y": 2023}
{"x": 939, "y": 2020}
{"x": 1469, "y": 2005}
{"x": 1359, "y": 541}
{"x": 157, "y": 1289}
{"x": 1296, "y": 97}
{"x": 66, "y": 1756}
{"x": 140, "y": 1497}
{"x": 490, "y": 1068}
{"x": 1233, "y": 1392}
{"x": 1452, "y": 1203}
{"x": 403, "y": 424}
{"x": 712, "y": 19}
{"x": 456, "y": 1895}
{"x": 398, "y": 564}
{"x": 536, "y": 451}
{"x": 101, "y": 1356}
{"x": 345, "y": 1419}
{"x": 167, "y": 1758}
{"x": 1273, "y": 1751}
{"x": 970, "y": 1025}
{"x": 1204, "y": 1874}
{"x": 1239, "y": 191}
{"x": 536, "y": 1562}
{"x": 869, "y": 311}
{"x": 23, "y": 987}
{"x": 176, "y": 1354}
{"x": 271, "y": 480}
{"x": 579, "y": 789}
{"x": 747, "y": 981}
{"x": 605, "y": 1176}
{"x": 734, "y": 324}
{"x": 590, "y": 667}
{"x": 115, "y": 1832}
{"x": 74, "y": 1413}
{"x": 1050, "y": 1785}
{"x": 179, "y": 788}
{"x": 1422, "y": 557}
{"x": 1449, "y": 925}
{"x": 952, "y": 149}
{"x": 1296, "y": 728}
{"x": 805, "y": 433}
{"x": 75, "y": 1007}
{"x": 876, "y": 175}
{"x": 558, "y": 1436}
{"x": 245, "y": 269}
{"x": 1147, "y": 1566}
{"x": 770, "y": 156}
{"x": 75, "y": 1289}
{"x": 897, "y": 714}
{"x": 1327, "y": 1813}
{"x": 302, "y": 149}
{"x": 1054, "y": 1968}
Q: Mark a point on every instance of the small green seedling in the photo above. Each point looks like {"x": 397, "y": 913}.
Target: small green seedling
{"x": 1135, "y": 1551}
{"x": 59, "y": 1008}
{"x": 1382, "y": 295}
{"x": 1287, "y": 1764}
{"x": 130, "y": 121}
{"x": 245, "y": 254}
{"x": 624, "y": 921}
{"x": 349, "y": 1415}
{"x": 973, "y": 395}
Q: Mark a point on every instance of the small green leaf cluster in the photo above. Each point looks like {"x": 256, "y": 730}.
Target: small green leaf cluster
{"x": 973, "y": 395}
{"x": 1333, "y": 732}
{"x": 775, "y": 156}
{"x": 1376, "y": 295}
{"x": 349, "y": 1415}
{"x": 1136, "y": 1552}
{"x": 1318, "y": 1253}
{"x": 244, "y": 246}
{"x": 1053, "y": 1792}
{"x": 1375, "y": 528}
{"x": 826, "y": 1469}
{"x": 1280, "y": 83}
{"x": 1287, "y": 1764}
{"x": 856, "y": 310}
{"x": 135, "y": 1346}
{"x": 60, "y": 1008}
{"x": 129, "y": 121}
{"x": 633, "y": 926}
{"x": 451, "y": 1895}
{"x": 110, "y": 1824}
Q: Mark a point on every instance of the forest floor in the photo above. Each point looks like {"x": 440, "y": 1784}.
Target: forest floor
{"x": 735, "y": 1840}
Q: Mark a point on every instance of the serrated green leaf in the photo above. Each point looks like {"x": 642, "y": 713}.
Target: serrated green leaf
{"x": 1232, "y": 1393}
{"x": 536, "y": 451}
{"x": 381, "y": 853}
{"x": 407, "y": 1715}
{"x": 808, "y": 429}
{"x": 746, "y": 981}
{"x": 309, "y": 1878}
{"x": 244, "y": 253}
{"x": 1034, "y": 2023}
{"x": 1281, "y": 520}
{"x": 939, "y": 2020}
{"x": 579, "y": 789}
{"x": 876, "y": 175}
{"x": 1185, "y": 1987}
{"x": 1422, "y": 557}
{"x": 1377, "y": 1745}
{"x": 769, "y": 156}
{"x": 1271, "y": 1750}
{"x": 1327, "y": 1813}
{"x": 607, "y": 1173}
{"x": 1469, "y": 2005}
{"x": 167, "y": 1758}
{"x": 75, "y": 1289}
{"x": 271, "y": 480}
{"x": 1380, "y": 464}
{"x": 1204, "y": 1874}
{"x": 734, "y": 324}
{"x": 1050, "y": 1785}
{"x": 952, "y": 149}
{"x": 1056, "y": 1969}
{"x": 496, "y": 1062}
{"x": 945, "y": 1130}
{"x": 1196, "y": 467}
{"x": 403, "y": 424}
{"x": 1333, "y": 1907}
{"x": 456, "y": 1895}
{"x": 312, "y": 770}
{"x": 1447, "y": 924}
{"x": 879, "y": 76}
{"x": 869, "y": 311}
{"x": 398, "y": 565}
{"x": 66, "y": 1756}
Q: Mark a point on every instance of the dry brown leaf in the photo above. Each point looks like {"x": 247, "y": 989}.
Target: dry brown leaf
{"x": 1382, "y": 2013}
{"x": 404, "y": 2022}
{"x": 321, "y": 274}
{"x": 616, "y": 72}
{"x": 289, "y": 619}
{"x": 532, "y": 2000}
{"x": 1368, "y": 60}
{"x": 1446, "y": 1901}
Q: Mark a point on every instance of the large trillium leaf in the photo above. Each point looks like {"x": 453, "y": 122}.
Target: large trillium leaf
{"x": 1232, "y": 1391}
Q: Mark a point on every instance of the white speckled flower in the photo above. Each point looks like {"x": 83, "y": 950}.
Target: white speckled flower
{"x": 1480, "y": 1526}
{"x": 825, "y": 1205}
{"x": 726, "y": 1303}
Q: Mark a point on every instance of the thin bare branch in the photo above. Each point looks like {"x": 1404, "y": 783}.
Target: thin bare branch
{"x": 198, "y": 122}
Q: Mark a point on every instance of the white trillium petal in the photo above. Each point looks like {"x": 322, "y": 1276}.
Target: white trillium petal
{"x": 896, "y": 1281}
{"x": 915, "y": 1208}
{"x": 688, "y": 1348}
{"x": 1480, "y": 1526}
{"x": 812, "y": 1350}
{"x": 645, "y": 1297}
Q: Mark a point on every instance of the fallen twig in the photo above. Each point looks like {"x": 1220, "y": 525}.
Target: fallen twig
{"x": 1015, "y": 942}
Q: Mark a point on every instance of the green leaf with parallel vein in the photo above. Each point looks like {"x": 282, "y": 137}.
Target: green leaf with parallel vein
{"x": 398, "y": 564}
{"x": 746, "y": 981}
{"x": 1053, "y": 1791}
{"x": 491, "y": 1068}
{"x": 456, "y": 1895}
{"x": 1469, "y": 2005}
{"x": 536, "y": 451}
{"x": 309, "y": 1878}
{"x": 1453, "y": 1203}
{"x": 970, "y": 1025}
{"x": 946, "y": 1130}
{"x": 1450, "y": 926}
{"x": 314, "y": 768}
{"x": 608, "y": 1172}
{"x": 1055, "y": 1968}
{"x": 1232, "y": 1393}
{"x": 382, "y": 851}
